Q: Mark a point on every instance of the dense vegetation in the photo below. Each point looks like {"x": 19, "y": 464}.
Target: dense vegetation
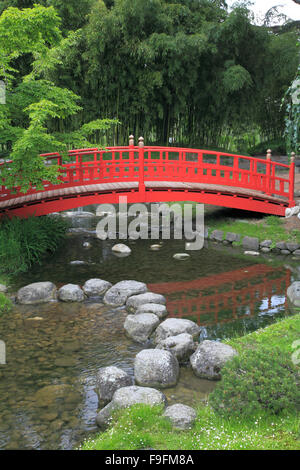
{"x": 261, "y": 424}
{"x": 185, "y": 70}
{"x": 25, "y": 242}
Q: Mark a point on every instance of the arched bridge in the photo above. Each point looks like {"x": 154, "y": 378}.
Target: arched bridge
{"x": 156, "y": 174}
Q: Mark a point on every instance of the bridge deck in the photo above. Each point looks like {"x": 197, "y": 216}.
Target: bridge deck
{"x": 132, "y": 185}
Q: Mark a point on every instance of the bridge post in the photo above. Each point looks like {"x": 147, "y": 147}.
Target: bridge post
{"x": 142, "y": 189}
{"x": 292, "y": 180}
{"x": 268, "y": 171}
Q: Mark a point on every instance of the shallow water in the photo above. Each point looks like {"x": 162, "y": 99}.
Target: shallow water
{"x": 47, "y": 387}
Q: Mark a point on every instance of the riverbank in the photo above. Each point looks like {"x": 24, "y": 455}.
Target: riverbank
{"x": 143, "y": 427}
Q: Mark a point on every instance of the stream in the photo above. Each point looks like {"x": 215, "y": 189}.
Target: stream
{"x": 53, "y": 351}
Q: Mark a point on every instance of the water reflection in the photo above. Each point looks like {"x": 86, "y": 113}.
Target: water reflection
{"x": 241, "y": 298}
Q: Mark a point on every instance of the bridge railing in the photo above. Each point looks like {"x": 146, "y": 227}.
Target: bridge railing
{"x": 141, "y": 164}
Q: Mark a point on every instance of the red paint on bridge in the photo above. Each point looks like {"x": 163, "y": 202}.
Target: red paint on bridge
{"x": 156, "y": 174}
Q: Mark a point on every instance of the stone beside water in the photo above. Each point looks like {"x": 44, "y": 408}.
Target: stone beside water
{"x": 96, "y": 287}
{"x": 174, "y": 327}
{"x": 156, "y": 368}
{"x": 135, "y": 301}
{"x": 36, "y": 293}
{"x": 119, "y": 293}
{"x": 209, "y": 358}
{"x": 109, "y": 380}
{"x": 140, "y": 327}
{"x": 71, "y": 293}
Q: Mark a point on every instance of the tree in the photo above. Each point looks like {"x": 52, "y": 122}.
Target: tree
{"x": 30, "y": 121}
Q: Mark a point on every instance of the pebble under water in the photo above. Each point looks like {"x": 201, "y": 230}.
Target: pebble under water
{"x": 53, "y": 351}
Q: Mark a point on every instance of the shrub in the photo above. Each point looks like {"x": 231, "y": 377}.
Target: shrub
{"x": 24, "y": 242}
{"x": 5, "y": 304}
{"x": 263, "y": 380}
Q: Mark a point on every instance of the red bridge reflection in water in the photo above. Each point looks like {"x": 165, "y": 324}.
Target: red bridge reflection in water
{"x": 226, "y": 297}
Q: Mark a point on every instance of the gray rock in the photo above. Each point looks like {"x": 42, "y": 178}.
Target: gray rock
{"x": 118, "y": 294}
{"x": 109, "y": 379}
{"x": 155, "y": 247}
{"x": 209, "y": 358}
{"x": 128, "y": 396}
{"x": 121, "y": 248}
{"x": 181, "y": 256}
{"x": 182, "y": 346}
{"x": 96, "y": 287}
{"x": 285, "y": 252}
{"x": 250, "y": 243}
{"x": 181, "y": 416}
{"x": 281, "y": 246}
{"x": 293, "y": 293}
{"x": 36, "y": 293}
{"x": 3, "y": 288}
{"x": 86, "y": 245}
{"x": 174, "y": 327}
{"x": 251, "y": 253}
{"x": 71, "y": 293}
{"x": 293, "y": 246}
{"x": 232, "y": 237}
{"x": 77, "y": 263}
{"x": 140, "y": 327}
{"x": 217, "y": 235}
{"x": 266, "y": 243}
{"x": 296, "y": 253}
{"x": 265, "y": 249}
{"x": 156, "y": 368}
{"x": 135, "y": 301}
{"x": 157, "y": 309}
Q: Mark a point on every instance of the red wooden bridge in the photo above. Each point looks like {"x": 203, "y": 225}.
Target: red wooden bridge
{"x": 156, "y": 174}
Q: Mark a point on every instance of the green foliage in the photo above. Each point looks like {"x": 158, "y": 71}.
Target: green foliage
{"x": 24, "y": 242}
{"x": 257, "y": 381}
{"x": 277, "y": 146}
{"x": 5, "y": 304}
{"x": 292, "y": 118}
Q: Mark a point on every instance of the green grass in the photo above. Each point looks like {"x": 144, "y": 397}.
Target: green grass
{"x": 5, "y": 304}
{"x": 268, "y": 228}
{"x": 281, "y": 334}
{"x": 25, "y": 242}
{"x": 142, "y": 426}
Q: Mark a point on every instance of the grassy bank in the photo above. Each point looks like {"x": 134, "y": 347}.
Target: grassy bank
{"x": 245, "y": 223}
{"x": 143, "y": 427}
{"x": 26, "y": 242}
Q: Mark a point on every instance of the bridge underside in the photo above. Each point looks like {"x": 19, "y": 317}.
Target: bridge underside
{"x": 47, "y": 202}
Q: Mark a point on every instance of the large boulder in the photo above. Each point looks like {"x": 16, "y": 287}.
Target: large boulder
{"x": 156, "y": 368}
{"x": 140, "y": 327}
{"x": 36, "y": 293}
{"x": 209, "y": 358}
{"x": 96, "y": 287}
{"x": 71, "y": 293}
{"x": 293, "y": 293}
{"x": 182, "y": 346}
{"x": 129, "y": 396}
{"x": 181, "y": 416}
{"x": 157, "y": 309}
{"x": 134, "y": 302}
{"x": 174, "y": 327}
{"x": 119, "y": 293}
{"x": 109, "y": 379}
{"x": 250, "y": 243}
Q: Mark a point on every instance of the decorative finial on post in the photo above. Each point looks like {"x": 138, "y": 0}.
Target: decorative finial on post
{"x": 269, "y": 154}
{"x": 141, "y": 142}
{"x": 293, "y": 156}
{"x": 131, "y": 140}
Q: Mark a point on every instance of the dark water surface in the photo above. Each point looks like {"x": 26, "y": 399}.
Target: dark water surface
{"x": 47, "y": 387}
